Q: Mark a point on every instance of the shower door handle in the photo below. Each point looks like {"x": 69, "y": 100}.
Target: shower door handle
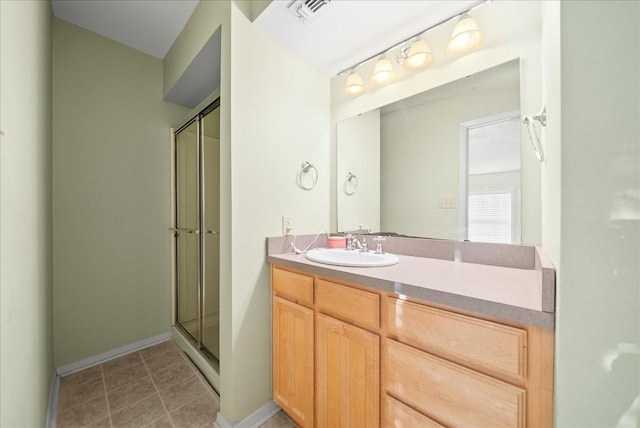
{"x": 182, "y": 229}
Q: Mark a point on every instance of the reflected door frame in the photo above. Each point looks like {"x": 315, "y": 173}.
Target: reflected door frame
{"x": 463, "y": 170}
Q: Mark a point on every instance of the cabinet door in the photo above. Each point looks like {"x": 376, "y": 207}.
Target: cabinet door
{"x": 293, "y": 360}
{"x": 347, "y": 376}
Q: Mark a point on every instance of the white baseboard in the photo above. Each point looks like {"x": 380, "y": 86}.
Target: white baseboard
{"x": 110, "y": 355}
{"x": 257, "y": 418}
{"x": 52, "y": 410}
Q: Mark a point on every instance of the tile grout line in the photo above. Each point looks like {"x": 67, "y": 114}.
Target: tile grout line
{"x": 202, "y": 381}
{"x": 75, "y": 404}
{"x": 187, "y": 403}
{"x": 153, "y": 382}
{"x": 198, "y": 376}
{"x": 131, "y": 404}
{"x": 106, "y": 395}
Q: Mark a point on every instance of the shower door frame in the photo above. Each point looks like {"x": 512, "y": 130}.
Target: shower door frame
{"x": 201, "y": 254}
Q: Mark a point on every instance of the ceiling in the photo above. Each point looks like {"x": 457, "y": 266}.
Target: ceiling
{"x": 345, "y": 32}
{"x": 341, "y": 34}
{"x": 150, "y": 26}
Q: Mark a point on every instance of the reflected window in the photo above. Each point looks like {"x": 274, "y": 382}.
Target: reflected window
{"x": 491, "y": 216}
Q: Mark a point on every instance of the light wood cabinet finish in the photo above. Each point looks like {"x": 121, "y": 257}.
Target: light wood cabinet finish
{"x": 293, "y": 286}
{"x": 487, "y": 344}
{"x": 399, "y": 415}
{"x": 347, "y": 375}
{"x": 451, "y": 393}
{"x": 293, "y": 360}
{"x": 402, "y": 363}
{"x": 349, "y": 304}
{"x": 540, "y": 379}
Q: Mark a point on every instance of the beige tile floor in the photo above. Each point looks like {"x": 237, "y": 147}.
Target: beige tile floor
{"x": 154, "y": 387}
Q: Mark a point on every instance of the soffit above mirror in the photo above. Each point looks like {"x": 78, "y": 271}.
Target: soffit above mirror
{"x": 347, "y": 31}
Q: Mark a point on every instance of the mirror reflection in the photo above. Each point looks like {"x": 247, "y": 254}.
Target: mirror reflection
{"x": 445, "y": 163}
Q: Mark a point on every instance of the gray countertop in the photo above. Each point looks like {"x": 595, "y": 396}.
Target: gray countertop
{"x": 524, "y": 295}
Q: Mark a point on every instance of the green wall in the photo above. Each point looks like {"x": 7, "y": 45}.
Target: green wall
{"x": 598, "y": 316}
{"x": 280, "y": 117}
{"x": 26, "y": 354}
{"x": 111, "y": 207}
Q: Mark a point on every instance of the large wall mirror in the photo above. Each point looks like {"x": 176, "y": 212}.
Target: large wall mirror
{"x": 447, "y": 163}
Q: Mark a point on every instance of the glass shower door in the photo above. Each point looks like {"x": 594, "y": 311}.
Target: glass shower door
{"x": 197, "y": 230}
{"x": 210, "y": 125}
{"x": 186, "y": 233}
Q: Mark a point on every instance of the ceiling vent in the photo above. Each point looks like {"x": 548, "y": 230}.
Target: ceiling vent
{"x": 306, "y": 10}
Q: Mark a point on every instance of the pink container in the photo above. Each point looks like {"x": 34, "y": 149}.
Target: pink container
{"x": 336, "y": 242}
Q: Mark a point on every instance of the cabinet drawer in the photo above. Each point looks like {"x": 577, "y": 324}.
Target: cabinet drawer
{"x": 292, "y": 286}
{"x": 483, "y": 343}
{"x": 349, "y": 304}
{"x": 399, "y": 415}
{"x": 451, "y": 393}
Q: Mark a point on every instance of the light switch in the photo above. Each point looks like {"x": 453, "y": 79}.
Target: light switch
{"x": 446, "y": 202}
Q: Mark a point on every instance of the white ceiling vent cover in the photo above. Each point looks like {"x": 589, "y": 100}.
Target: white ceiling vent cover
{"x": 306, "y": 10}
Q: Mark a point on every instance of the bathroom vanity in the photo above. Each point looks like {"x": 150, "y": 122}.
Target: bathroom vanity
{"x": 455, "y": 334}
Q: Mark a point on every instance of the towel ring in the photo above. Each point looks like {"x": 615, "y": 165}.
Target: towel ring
{"x": 304, "y": 169}
{"x": 353, "y": 180}
{"x": 533, "y": 133}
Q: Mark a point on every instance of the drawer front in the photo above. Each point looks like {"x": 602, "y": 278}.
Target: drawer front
{"x": 487, "y": 344}
{"x": 292, "y": 286}
{"x": 399, "y": 415}
{"x": 349, "y": 304}
{"x": 450, "y": 393}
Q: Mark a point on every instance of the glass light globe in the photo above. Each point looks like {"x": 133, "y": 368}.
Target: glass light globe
{"x": 383, "y": 73}
{"x": 465, "y": 36}
{"x": 354, "y": 85}
{"x": 419, "y": 56}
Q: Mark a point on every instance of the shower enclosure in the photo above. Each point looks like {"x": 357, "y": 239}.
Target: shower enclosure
{"x": 197, "y": 230}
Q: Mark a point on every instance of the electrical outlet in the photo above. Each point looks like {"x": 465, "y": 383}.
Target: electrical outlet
{"x": 446, "y": 202}
{"x": 287, "y": 225}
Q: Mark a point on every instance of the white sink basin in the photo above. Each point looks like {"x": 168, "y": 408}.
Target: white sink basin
{"x": 353, "y": 258}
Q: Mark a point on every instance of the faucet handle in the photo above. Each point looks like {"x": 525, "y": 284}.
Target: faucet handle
{"x": 379, "y": 240}
{"x": 363, "y": 247}
{"x": 349, "y": 238}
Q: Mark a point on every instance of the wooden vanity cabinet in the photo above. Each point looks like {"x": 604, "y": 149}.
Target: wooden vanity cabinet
{"x": 347, "y": 375}
{"x": 381, "y": 360}
{"x": 334, "y": 326}
{"x": 293, "y": 348}
{"x": 450, "y": 393}
{"x": 347, "y": 356}
{"x": 458, "y": 370}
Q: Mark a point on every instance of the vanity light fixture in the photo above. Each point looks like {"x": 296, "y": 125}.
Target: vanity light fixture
{"x": 354, "y": 85}
{"x": 419, "y": 56}
{"x": 465, "y": 36}
{"x": 383, "y": 73}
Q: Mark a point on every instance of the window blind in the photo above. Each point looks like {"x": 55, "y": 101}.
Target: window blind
{"x": 491, "y": 216}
